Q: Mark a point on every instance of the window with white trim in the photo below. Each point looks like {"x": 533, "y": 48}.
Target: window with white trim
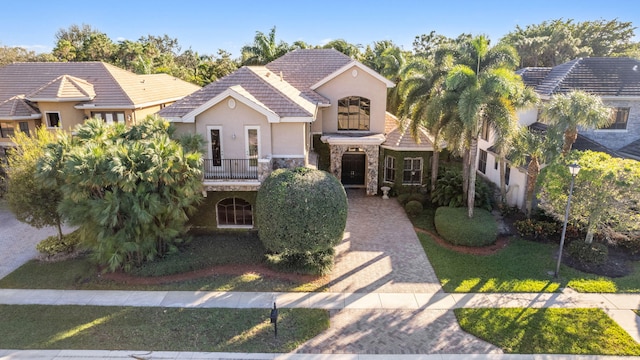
{"x": 234, "y": 212}
{"x": 53, "y": 120}
{"x": 109, "y": 117}
{"x": 389, "y": 169}
{"x": 412, "y": 173}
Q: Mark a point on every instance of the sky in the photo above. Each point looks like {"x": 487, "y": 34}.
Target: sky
{"x": 208, "y": 25}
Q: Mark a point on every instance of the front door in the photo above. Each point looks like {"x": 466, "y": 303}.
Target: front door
{"x": 353, "y": 169}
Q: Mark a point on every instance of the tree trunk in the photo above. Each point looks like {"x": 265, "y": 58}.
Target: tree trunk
{"x": 503, "y": 184}
{"x": 434, "y": 169}
{"x": 471, "y": 195}
{"x": 59, "y": 226}
{"x": 532, "y": 175}
{"x": 465, "y": 175}
{"x": 570, "y": 136}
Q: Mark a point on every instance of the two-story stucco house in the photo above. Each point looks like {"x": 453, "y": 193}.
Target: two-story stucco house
{"x": 63, "y": 95}
{"x": 615, "y": 80}
{"x": 262, "y": 118}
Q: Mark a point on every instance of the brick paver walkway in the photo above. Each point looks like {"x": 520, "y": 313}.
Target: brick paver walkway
{"x": 380, "y": 251}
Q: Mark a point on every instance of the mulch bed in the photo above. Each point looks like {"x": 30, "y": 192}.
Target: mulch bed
{"x": 232, "y": 269}
{"x": 501, "y": 242}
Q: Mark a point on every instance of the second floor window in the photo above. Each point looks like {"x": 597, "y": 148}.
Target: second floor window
{"x": 482, "y": 162}
{"x": 620, "y": 117}
{"x": 354, "y": 113}
{"x": 53, "y": 120}
{"x": 109, "y": 117}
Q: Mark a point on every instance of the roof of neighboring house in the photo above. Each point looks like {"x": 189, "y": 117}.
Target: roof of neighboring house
{"x": 632, "y": 150}
{"x": 18, "y": 107}
{"x": 285, "y": 86}
{"x": 95, "y": 84}
{"x": 401, "y": 139}
{"x": 582, "y": 143}
{"x": 613, "y": 76}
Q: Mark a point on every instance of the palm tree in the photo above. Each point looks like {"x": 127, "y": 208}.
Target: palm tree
{"x": 264, "y": 49}
{"x": 425, "y": 103}
{"x": 576, "y": 109}
{"x": 351, "y": 50}
{"x": 533, "y": 148}
{"x": 488, "y": 91}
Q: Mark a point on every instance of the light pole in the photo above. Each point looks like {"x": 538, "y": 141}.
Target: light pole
{"x": 574, "y": 169}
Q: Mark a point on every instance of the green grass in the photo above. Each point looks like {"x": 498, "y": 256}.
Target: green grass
{"x": 202, "y": 252}
{"x": 522, "y": 266}
{"x": 549, "y": 331}
{"x": 455, "y": 227}
{"x": 174, "y": 329}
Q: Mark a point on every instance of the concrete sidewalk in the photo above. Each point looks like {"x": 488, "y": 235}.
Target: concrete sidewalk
{"x": 320, "y": 300}
{"x": 174, "y": 355}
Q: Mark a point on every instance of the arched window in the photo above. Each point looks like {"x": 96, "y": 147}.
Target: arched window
{"x": 234, "y": 212}
{"x": 354, "y": 113}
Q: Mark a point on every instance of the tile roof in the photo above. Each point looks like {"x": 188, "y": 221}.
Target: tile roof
{"x": 400, "y": 137}
{"x": 600, "y": 76}
{"x": 632, "y": 150}
{"x": 582, "y": 142}
{"x": 18, "y": 107}
{"x": 283, "y": 85}
{"x": 64, "y": 88}
{"x": 253, "y": 81}
{"x": 533, "y": 76}
{"x": 113, "y": 87}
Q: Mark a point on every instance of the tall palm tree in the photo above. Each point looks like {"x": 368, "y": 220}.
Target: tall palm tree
{"x": 425, "y": 102}
{"x": 576, "y": 109}
{"x": 264, "y": 49}
{"x": 488, "y": 91}
{"x": 533, "y": 148}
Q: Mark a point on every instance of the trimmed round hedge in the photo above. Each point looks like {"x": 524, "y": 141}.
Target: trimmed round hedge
{"x": 300, "y": 211}
{"x": 455, "y": 227}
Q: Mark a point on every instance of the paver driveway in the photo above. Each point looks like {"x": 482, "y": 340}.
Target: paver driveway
{"x": 18, "y": 240}
{"x": 381, "y": 253}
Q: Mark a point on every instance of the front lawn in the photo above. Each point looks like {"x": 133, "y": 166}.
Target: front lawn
{"x": 522, "y": 266}
{"x": 549, "y": 331}
{"x": 231, "y": 250}
{"x": 160, "y": 329}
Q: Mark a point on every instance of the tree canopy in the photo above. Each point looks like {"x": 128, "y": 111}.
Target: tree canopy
{"x": 128, "y": 189}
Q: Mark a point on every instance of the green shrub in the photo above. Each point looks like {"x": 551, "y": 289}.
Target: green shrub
{"x": 318, "y": 263}
{"x": 589, "y": 254}
{"x": 536, "y": 229}
{"x": 403, "y": 199}
{"x": 419, "y": 197}
{"x": 53, "y": 246}
{"x": 448, "y": 191}
{"x": 300, "y": 211}
{"x": 456, "y": 228}
{"x": 413, "y": 208}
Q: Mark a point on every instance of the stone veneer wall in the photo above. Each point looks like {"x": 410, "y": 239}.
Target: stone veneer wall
{"x": 288, "y": 163}
{"x": 615, "y": 139}
{"x": 230, "y": 187}
{"x": 372, "y": 155}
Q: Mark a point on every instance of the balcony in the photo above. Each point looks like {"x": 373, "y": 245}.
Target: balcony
{"x": 231, "y": 169}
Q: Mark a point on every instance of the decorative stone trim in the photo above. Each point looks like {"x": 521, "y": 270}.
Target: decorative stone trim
{"x": 372, "y": 154}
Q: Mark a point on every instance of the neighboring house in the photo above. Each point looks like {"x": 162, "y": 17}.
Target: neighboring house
{"x": 63, "y": 95}
{"x": 308, "y": 105}
{"x": 615, "y": 80}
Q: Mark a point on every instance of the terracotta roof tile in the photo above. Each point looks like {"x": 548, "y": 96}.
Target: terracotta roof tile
{"x": 64, "y": 88}
{"x": 113, "y": 86}
{"x": 18, "y": 107}
{"x": 252, "y": 82}
{"x": 401, "y": 138}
